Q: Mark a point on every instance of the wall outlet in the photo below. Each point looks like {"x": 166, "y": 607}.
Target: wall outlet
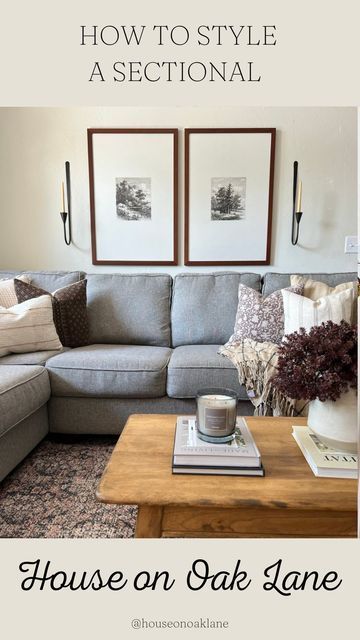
{"x": 351, "y": 244}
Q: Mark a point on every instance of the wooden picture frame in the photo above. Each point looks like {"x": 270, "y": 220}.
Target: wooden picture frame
{"x": 133, "y": 180}
{"x": 229, "y": 182}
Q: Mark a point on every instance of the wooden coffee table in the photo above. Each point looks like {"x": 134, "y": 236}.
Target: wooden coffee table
{"x": 288, "y": 502}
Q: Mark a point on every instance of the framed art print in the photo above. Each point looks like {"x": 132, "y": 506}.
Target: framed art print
{"x": 133, "y": 196}
{"x": 229, "y": 177}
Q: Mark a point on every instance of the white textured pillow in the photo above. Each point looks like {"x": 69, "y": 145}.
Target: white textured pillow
{"x": 7, "y": 291}
{"x": 315, "y": 290}
{"x": 303, "y": 312}
{"x": 28, "y": 326}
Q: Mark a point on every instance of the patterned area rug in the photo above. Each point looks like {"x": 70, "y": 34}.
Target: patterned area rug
{"x": 51, "y": 494}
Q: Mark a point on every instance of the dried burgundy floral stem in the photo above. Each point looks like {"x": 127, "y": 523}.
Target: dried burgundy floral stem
{"x": 320, "y": 363}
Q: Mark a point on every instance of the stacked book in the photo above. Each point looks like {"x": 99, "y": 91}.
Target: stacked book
{"x": 324, "y": 461}
{"x": 240, "y": 457}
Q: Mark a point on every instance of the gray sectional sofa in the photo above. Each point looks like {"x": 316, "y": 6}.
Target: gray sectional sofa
{"x": 154, "y": 343}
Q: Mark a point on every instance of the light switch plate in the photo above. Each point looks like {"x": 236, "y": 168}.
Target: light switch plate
{"x": 351, "y": 244}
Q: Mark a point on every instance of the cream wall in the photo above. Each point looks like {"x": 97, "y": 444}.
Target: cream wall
{"x": 35, "y": 142}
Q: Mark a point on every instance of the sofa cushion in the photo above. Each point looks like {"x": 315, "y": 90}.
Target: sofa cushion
{"x": 34, "y": 357}
{"x": 23, "y": 390}
{"x": 110, "y": 371}
{"x": 129, "y": 309}
{"x": 274, "y": 281}
{"x": 198, "y": 366}
{"x": 204, "y": 306}
{"x": 49, "y": 280}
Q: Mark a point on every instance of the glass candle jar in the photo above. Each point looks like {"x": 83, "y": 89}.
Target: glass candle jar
{"x": 216, "y": 414}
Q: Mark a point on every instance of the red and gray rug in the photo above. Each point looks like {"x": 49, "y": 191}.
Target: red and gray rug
{"x": 51, "y": 494}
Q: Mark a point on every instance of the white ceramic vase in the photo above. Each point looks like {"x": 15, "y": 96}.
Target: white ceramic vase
{"x": 335, "y": 423}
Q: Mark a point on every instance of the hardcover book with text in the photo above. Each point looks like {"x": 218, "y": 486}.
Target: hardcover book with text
{"x": 324, "y": 461}
{"x": 189, "y": 449}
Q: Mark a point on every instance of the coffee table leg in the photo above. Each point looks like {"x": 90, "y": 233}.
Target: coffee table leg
{"x": 149, "y": 520}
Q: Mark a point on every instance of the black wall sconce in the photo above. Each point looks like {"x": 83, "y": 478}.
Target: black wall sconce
{"x": 66, "y": 214}
{"x": 297, "y": 213}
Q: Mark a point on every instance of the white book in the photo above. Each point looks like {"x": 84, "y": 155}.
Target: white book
{"x": 189, "y": 449}
{"x": 324, "y": 461}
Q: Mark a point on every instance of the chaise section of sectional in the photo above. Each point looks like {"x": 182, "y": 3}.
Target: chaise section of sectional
{"x": 25, "y": 386}
{"x": 24, "y": 392}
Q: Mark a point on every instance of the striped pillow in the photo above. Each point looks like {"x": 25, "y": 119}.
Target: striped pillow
{"x": 303, "y": 312}
{"x": 28, "y": 326}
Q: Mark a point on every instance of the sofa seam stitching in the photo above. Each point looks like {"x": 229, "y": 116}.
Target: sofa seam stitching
{"x": 109, "y": 370}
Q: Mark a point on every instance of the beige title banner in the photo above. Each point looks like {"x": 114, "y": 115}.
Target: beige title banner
{"x": 188, "y": 53}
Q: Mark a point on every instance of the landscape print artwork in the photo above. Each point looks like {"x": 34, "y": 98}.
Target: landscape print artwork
{"x": 228, "y": 198}
{"x": 133, "y": 198}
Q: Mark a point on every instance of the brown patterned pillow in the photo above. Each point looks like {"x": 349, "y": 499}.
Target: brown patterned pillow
{"x": 69, "y": 309}
{"x": 258, "y": 318}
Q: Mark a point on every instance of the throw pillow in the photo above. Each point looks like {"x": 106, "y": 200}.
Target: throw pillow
{"x": 303, "y": 312}
{"x": 69, "y": 305}
{"x": 258, "y": 318}
{"x": 7, "y": 291}
{"x": 315, "y": 290}
{"x": 28, "y": 326}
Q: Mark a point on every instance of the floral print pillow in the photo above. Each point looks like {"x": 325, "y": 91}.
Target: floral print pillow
{"x": 258, "y": 318}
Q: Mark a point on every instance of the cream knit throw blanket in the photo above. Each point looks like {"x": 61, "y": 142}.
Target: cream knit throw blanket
{"x": 256, "y": 364}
